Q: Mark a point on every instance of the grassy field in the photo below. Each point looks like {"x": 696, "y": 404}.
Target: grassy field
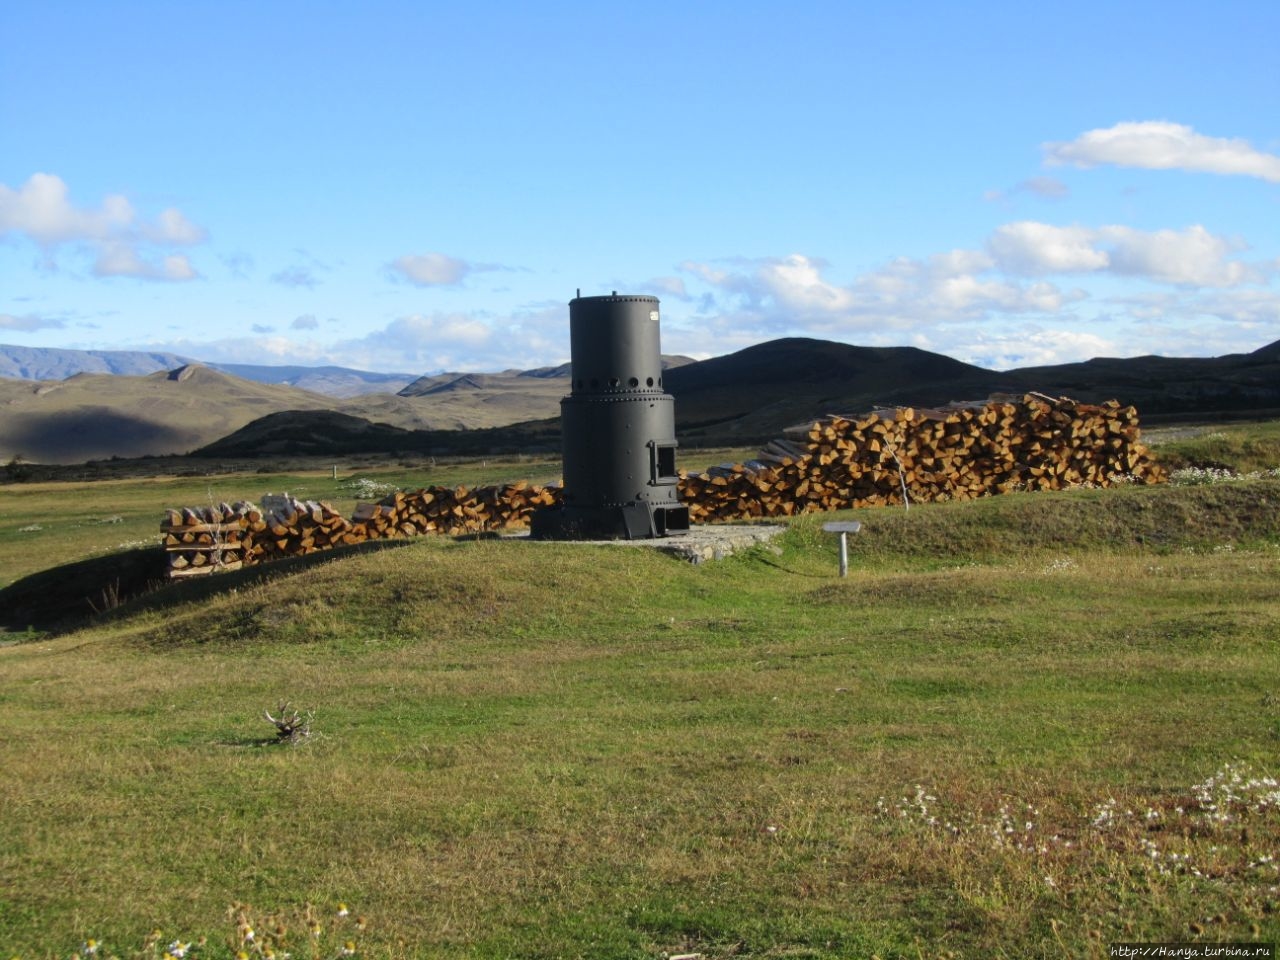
{"x": 47, "y": 524}
{"x": 1025, "y": 726}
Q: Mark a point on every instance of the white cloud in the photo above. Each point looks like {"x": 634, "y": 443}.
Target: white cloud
{"x": 1032, "y": 249}
{"x": 431, "y": 269}
{"x": 1250, "y": 316}
{"x": 671, "y": 286}
{"x": 998, "y": 306}
{"x": 791, "y": 294}
{"x": 417, "y": 343}
{"x": 455, "y": 329}
{"x": 956, "y": 262}
{"x": 29, "y": 322}
{"x": 706, "y": 273}
{"x": 1191, "y": 257}
{"x": 1050, "y": 188}
{"x": 1024, "y": 346}
{"x": 464, "y": 341}
{"x": 796, "y": 282}
{"x": 172, "y": 228}
{"x": 1160, "y": 145}
{"x": 121, "y": 259}
{"x": 41, "y": 210}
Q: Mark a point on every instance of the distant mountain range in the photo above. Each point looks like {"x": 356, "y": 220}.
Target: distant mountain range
{"x": 742, "y": 398}
{"x": 45, "y": 363}
{"x": 340, "y": 382}
{"x": 48, "y": 363}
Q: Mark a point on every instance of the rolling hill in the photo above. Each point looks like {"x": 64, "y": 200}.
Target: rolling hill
{"x": 97, "y": 416}
{"x": 743, "y": 398}
{"x": 1233, "y": 383}
{"x": 753, "y": 395}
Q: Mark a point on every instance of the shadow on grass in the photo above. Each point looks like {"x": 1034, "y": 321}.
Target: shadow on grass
{"x": 73, "y": 595}
{"x": 253, "y": 743}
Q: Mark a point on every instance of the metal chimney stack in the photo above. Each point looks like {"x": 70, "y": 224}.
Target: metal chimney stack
{"x": 618, "y": 429}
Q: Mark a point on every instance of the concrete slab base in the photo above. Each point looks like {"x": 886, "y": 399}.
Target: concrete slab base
{"x": 697, "y": 545}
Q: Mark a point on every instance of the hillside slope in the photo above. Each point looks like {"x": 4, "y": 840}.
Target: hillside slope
{"x": 99, "y": 416}
{"x": 754, "y": 393}
{"x": 1232, "y": 383}
{"x": 743, "y": 398}
{"x": 89, "y": 416}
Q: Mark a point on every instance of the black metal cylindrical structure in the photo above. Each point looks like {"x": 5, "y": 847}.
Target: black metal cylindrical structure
{"x": 618, "y": 428}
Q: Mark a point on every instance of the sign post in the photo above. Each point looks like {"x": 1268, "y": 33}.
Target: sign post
{"x": 844, "y": 528}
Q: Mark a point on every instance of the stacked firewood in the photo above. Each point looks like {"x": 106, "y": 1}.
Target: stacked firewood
{"x": 294, "y": 528}
{"x": 452, "y": 510}
{"x": 226, "y": 537}
{"x": 201, "y": 540}
{"x": 956, "y": 452}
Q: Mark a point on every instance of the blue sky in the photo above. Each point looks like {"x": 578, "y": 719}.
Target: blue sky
{"x": 424, "y": 186}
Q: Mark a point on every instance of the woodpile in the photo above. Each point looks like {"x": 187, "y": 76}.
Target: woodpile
{"x": 891, "y": 456}
{"x": 295, "y": 528}
{"x": 227, "y": 537}
{"x": 205, "y": 539}
{"x": 956, "y": 452}
{"x": 453, "y": 510}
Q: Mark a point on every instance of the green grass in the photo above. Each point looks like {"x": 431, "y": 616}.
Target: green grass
{"x": 1245, "y": 448}
{"x": 48, "y": 524}
{"x": 566, "y": 750}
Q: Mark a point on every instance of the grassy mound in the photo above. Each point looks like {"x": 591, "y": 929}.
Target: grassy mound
{"x": 1022, "y": 726}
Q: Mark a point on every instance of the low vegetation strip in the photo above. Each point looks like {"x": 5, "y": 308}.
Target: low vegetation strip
{"x": 1024, "y": 726}
{"x": 957, "y": 452}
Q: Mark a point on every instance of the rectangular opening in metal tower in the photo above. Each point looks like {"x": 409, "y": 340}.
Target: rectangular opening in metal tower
{"x": 664, "y": 462}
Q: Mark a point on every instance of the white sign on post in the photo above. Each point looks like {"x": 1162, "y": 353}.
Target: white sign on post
{"x": 844, "y": 528}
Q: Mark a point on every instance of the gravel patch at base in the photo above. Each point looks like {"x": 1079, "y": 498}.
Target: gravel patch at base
{"x": 697, "y": 545}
